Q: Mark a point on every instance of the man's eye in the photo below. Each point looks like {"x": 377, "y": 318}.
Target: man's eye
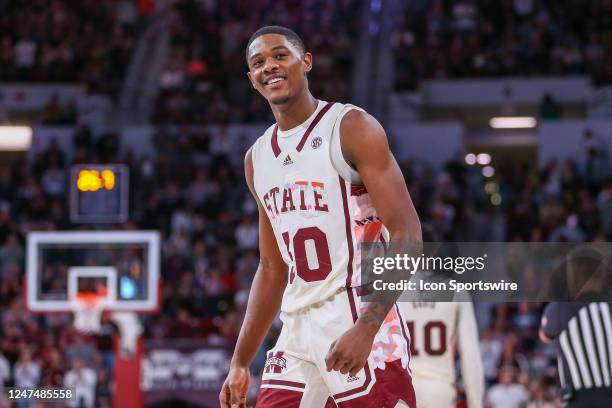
{"x": 280, "y": 56}
{"x": 257, "y": 63}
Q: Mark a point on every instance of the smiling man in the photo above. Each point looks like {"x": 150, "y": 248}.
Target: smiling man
{"x": 325, "y": 181}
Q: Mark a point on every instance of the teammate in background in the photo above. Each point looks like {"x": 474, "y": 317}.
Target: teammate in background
{"x": 324, "y": 180}
{"x": 437, "y": 331}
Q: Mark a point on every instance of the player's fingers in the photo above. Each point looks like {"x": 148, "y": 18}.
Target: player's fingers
{"x": 330, "y": 358}
{"x": 340, "y": 361}
{"x": 224, "y": 397}
{"x": 237, "y": 398}
{"x": 346, "y": 367}
{"x": 355, "y": 369}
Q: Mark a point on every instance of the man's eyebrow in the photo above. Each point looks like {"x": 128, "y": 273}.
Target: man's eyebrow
{"x": 271, "y": 49}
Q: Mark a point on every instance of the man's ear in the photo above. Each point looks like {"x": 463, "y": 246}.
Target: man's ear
{"x": 251, "y": 79}
{"x": 307, "y": 59}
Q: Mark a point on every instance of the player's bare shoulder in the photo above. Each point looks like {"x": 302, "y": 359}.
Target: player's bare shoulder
{"x": 359, "y": 133}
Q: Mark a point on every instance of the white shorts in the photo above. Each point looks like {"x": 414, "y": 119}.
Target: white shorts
{"x": 295, "y": 375}
{"x": 432, "y": 393}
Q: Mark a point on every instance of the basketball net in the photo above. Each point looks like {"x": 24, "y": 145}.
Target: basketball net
{"x": 88, "y": 317}
{"x": 88, "y": 312}
{"x": 130, "y": 329}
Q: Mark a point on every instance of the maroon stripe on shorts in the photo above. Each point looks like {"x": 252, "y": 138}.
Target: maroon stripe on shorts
{"x": 279, "y": 398}
{"x": 284, "y": 382}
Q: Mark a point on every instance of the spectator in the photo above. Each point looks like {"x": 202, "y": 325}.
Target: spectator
{"x": 5, "y": 376}
{"x": 604, "y": 204}
{"x": 596, "y": 159}
{"x": 25, "y": 54}
{"x": 11, "y": 253}
{"x": 53, "y": 111}
{"x": 26, "y": 374}
{"x": 247, "y": 234}
{"x": 103, "y": 390}
{"x": 80, "y": 349}
{"x": 53, "y": 369}
{"x": 507, "y": 393}
{"x": 541, "y": 398}
{"x": 82, "y": 380}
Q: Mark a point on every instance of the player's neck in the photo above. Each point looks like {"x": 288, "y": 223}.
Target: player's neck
{"x": 294, "y": 113}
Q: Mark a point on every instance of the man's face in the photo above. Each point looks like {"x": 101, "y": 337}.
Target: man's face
{"x": 505, "y": 377}
{"x": 276, "y": 68}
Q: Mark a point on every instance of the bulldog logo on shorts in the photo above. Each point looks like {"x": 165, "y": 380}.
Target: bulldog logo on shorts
{"x": 275, "y": 363}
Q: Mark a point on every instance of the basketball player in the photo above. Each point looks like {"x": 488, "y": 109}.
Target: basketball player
{"x": 438, "y": 329}
{"x": 324, "y": 180}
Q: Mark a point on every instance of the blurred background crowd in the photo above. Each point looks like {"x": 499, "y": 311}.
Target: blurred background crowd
{"x": 193, "y": 192}
{"x": 486, "y": 38}
{"x": 191, "y": 188}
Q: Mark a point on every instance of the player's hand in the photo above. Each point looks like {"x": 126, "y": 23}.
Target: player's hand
{"x": 349, "y": 353}
{"x": 234, "y": 391}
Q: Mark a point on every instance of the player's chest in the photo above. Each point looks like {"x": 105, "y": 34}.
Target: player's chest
{"x": 304, "y": 189}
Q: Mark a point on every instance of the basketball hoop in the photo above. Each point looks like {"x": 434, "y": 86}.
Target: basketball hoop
{"x": 130, "y": 330}
{"x": 88, "y": 309}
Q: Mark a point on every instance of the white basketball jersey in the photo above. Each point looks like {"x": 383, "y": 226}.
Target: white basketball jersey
{"x": 432, "y": 328}
{"x": 437, "y": 330}
{"x": 317, "y": 207}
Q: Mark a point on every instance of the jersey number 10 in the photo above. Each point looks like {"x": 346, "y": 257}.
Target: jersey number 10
{"x": 303, "y": 269}
{"x": 429, "y": 329}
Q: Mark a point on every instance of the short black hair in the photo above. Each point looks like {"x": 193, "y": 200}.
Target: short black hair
{"x": 288, "y": 33}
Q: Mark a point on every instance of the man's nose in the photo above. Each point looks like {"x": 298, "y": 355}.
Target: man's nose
{"x": 270, "y": 65}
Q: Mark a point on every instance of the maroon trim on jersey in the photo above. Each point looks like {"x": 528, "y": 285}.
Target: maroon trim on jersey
{"x": 358, "y": 189}
{"x": 314, "y": 123}
{"x": 383, "y": 241}
{"x": 406, "y": 337}
{"x": 349, "y": 290}
{"x": 275, "y": 147}
{"x": 285, "y": 383}
{"x": 349, "y": 236}
{"x": 279, "y": 398}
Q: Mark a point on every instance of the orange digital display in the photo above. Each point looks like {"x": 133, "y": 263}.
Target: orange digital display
{"x": 94, "y": 180}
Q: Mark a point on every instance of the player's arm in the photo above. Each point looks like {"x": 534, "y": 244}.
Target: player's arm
{"x": 471, "y": 361}
{"x": 263, "y": 305}
{"x": 365, "y": 146}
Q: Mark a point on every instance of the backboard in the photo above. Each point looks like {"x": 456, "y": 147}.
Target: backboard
{"x": 121, "y": 268}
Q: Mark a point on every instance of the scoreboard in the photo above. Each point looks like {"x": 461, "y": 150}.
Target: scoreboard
{"x": 99, "y": 193}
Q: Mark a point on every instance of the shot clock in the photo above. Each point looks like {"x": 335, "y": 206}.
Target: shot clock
{"x": 99, "y": 193}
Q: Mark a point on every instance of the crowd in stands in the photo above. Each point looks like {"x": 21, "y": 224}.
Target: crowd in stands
{"x": 205, "y": 77}
{"x": 84, "y": 41}
{"x": 194, "y": 194}
{"x": 193, "y": 191}
{"x": 480, "y": 38}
